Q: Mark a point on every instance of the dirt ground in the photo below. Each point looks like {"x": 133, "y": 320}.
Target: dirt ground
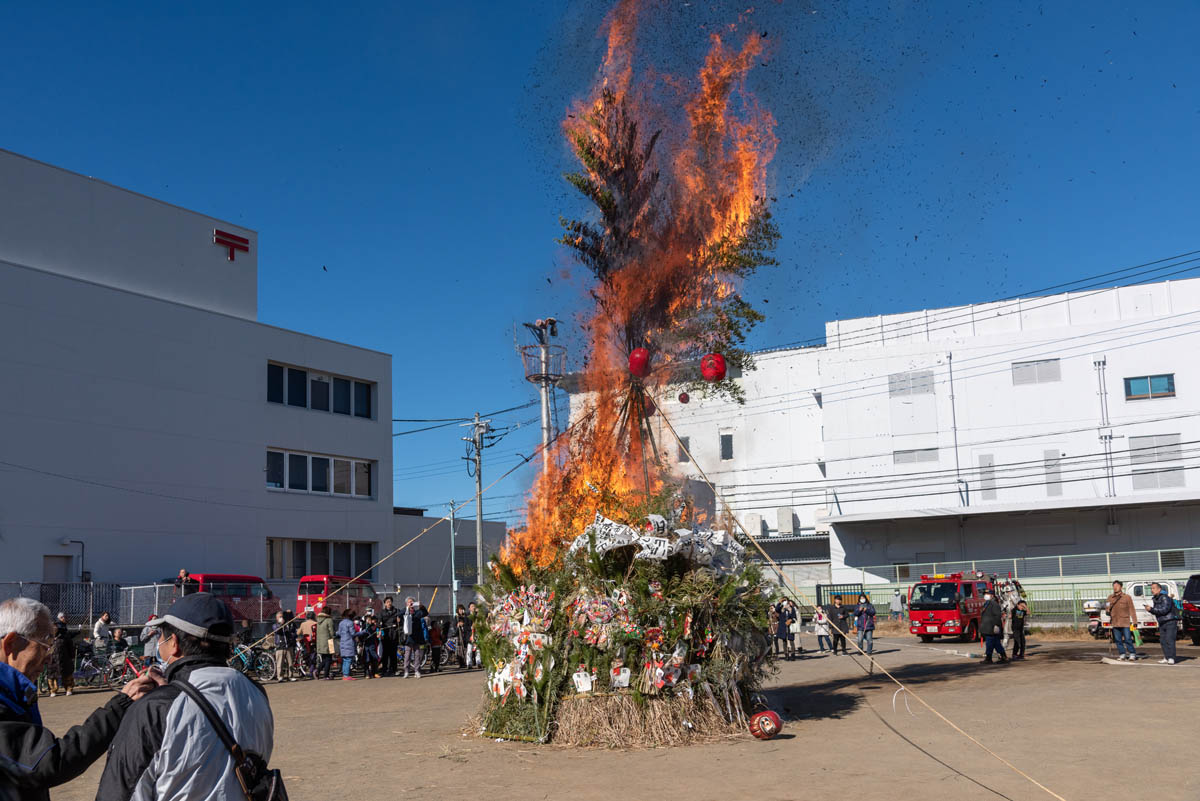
{"x": 1086, "y": 729}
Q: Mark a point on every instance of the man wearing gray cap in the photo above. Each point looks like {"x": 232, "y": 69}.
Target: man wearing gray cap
{"x": 167, "y": 748}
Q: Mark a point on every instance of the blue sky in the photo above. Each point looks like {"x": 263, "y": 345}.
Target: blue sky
{"x": 931, "y": 154}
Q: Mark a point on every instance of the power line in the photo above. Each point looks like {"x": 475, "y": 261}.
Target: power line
{"x": 870, "y": 382}
{"x": 959, "y": 314}
{"x": 458, "y": 420}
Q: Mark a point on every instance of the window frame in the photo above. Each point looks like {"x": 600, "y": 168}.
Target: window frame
{"x": 721, "y": 445}
{"x": 353, "y": 388}
{"x": 1039, "y": 366}
{"x": 913, "y": 452}
{"x": 331, "y": 461}
{"x": 1150, "y": 394}
{"x": 1162, "y": 461}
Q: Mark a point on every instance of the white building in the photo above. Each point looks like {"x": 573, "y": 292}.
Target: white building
{"x": 148, "y": 422}
{"x": 985, "y": 435}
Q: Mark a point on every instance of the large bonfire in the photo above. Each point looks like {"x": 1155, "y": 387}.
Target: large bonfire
{"x": 618, "y": 615}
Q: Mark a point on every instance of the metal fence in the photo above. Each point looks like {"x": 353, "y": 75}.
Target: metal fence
{"x": 1118, "y": 564}
{"x": 82, "y": 602}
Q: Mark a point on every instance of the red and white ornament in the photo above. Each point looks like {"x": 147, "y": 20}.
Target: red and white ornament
{"x": 639, "y": 362}
{"x": 765, "y": 725}
{"x": 712, "y": 367}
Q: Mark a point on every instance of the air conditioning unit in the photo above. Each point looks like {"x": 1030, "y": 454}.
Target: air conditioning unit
{"x": 820, "y": 527}
{"x": 786, "y": 528}
{"x": 754, "y": 523}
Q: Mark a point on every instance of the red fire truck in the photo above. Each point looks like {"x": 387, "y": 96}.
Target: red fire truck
{"x": 948, "y": 605}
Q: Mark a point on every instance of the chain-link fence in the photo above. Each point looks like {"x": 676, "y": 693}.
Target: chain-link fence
{"x": 138, "y": 603}
{"x": 82, "y": 602}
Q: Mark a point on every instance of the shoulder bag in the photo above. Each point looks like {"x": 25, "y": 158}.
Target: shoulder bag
{"x": 258, "y": 782}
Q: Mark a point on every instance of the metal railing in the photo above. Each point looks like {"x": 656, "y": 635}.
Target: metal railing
{"x": 82, "y": 602}
{"x": 1117, "y": 564}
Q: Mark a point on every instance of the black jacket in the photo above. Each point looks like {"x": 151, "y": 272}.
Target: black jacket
{"x": 1163, "y": 608}
{"x": 990, "y": 618}
{"x": 32, "y": 759}
{"x": 387, "y": 622}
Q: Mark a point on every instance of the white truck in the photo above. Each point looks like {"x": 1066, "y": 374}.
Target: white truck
{"x": 1142, "y": 596}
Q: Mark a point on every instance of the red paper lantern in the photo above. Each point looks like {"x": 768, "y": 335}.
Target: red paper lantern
{"x": 765, "y": 725}
{"x": 639, "y": 362}
{"x": 647, "y": 407}
{"x": 712, "y": 367}
{"x": 684, "y": 397}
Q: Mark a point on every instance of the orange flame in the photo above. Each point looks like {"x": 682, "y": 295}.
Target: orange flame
{"x": 710, "y": 187}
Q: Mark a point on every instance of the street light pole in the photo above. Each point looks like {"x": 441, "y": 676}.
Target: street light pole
{"x": 478, "y": 429}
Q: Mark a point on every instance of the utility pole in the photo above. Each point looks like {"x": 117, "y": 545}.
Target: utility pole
{"x": 453, "y": 572}
{"x": 479, "y": 428}
{"x": 544, "y": 367}
{"x": 958, "y": 480}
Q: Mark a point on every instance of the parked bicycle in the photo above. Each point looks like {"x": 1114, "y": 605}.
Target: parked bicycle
{"x": 254, "y": 662}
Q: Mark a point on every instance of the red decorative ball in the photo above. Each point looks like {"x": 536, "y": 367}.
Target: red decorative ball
{"x": 647, "y": 407}
{"x": 765, "y": 725}
{"x": 684, "y": 397}
{"x": 639, "y": 362}
{"x": 712, "y": 367}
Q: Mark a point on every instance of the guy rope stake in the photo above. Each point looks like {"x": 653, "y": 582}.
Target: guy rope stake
{"x": 779, "y": 572}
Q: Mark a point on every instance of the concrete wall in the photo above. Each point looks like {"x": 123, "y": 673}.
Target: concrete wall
{"x": 140, "y": 427}
{"x": 70, "y": 224}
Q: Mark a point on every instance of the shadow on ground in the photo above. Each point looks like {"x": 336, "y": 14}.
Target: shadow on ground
{"x": 834, "y": 698}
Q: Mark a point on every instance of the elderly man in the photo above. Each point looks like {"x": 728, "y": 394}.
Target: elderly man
{"x": 32, "y": 759}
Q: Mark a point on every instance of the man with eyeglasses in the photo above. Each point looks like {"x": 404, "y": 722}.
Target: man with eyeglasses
{"x": 32, "y": 759}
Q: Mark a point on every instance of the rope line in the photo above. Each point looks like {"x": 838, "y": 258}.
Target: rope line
{"x": 874, "y": 664}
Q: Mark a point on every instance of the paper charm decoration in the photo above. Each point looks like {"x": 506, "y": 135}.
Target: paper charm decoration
{"x": 583, "y": 680}
{"x": 619, "y": 678}
{"x": 693, "y": 673}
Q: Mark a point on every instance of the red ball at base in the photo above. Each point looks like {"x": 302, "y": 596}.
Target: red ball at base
{"x": 765, "y": 725}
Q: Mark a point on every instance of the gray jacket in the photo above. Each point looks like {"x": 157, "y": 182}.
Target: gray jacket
{"x": 167, "y": 749}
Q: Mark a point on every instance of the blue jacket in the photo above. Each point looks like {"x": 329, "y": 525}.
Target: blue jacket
{"x": 32, "y": 759}
{"x": 864, "y": 617}
{"x": 345, "y": 632}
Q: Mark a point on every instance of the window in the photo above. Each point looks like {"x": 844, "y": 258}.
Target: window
{"x": 362, "y": 399}
{"x": 1053, "y": 465}
{"x": 303, "y": 388}
{"x": 274, "y": 383}
{"x": 464, "y": 563}
{"x": 968, "y": 589}
{"x": 319, "y": 391}
{"x": 1150, "y": 386}
{"x": 918, "y": 455}
{"x": 726, "y": 447}
{"x": 274, "y": 469}
{"x": 685, "y": 445}
{"x": 297, "y": 471}
{"x": 299, "y": 559}
{"x": 297, "y": 387}
{"x": 916, "y": 382}
{"x": 341, "y": 396}
{"x": 362, "y": 478}
{"x": 987, "y": 477}
{"x": 903, "y": 571}
{"x": 320, "y": 474}
{"x": 341, "y": 558}
{"x": 275, "y": 559}
{"x": 1043, "y": 371}
{"x": 319, "y": 565}
{"x": 1156, "y": 461}
{"x": 323, "y": 475}
{"x": 363, "y": 559}
{"x": 341, "y": 477}
{"x": 1172, "y": 560}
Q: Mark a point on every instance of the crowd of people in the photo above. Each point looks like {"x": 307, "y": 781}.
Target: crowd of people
{"x": 386, "y": 642}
